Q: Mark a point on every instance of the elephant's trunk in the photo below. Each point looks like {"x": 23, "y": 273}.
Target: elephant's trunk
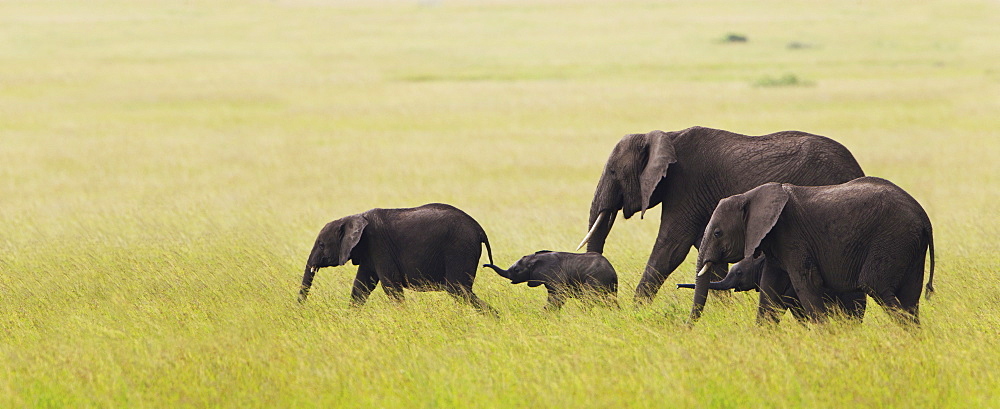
{"x": 727, "y": 283}
{"x": 603, "y": 210}
{"x": 312, "y": 264}
{"x": 701, "y": 285}
{"x": 503, "y": 273}
{"x": 307, "y": 280}
{"x": 600, "y": 227}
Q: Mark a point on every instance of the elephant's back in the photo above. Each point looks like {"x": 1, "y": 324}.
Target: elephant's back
{"x": 795, "y": 157}
{"x": 866, "y": 192}
{"x": 600, "y": 269}
{"x": 862, "y": 209}
{"x": 828, "y": 154}
{"x": 807, "y": 159}
{"x": 437, "y": 217}
{"x": 427, "y": 232}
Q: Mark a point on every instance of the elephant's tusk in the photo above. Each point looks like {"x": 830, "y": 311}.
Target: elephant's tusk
{"x": 704, "y": 269}
{"x": 597, "y": 221}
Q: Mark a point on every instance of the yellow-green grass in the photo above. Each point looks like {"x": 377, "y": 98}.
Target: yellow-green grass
{"x": 165, "y": 166}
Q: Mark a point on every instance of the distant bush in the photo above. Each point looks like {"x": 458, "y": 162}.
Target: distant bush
{"x": 734, "y": 38}
{"x": 787, "y": 80}
{"x": 795, "y": 45}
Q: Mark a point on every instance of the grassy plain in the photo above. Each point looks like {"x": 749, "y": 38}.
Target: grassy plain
{"x": 165, "y": 166}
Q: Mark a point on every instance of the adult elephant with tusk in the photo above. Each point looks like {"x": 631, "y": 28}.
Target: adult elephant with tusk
{"x": 426, "y": 248}
{"x": 688, "y": 172}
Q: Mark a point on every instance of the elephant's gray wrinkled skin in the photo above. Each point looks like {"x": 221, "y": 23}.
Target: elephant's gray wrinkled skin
{"x": 689, "y": 171}
{"x": 745, "y": 276}
{"x": 565, "y": 275}
{"x": 864, "y": 235}
{"x": 427, "y": 248}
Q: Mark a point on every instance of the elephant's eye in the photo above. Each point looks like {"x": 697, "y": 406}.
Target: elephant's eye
{"x": 717, "y": 233}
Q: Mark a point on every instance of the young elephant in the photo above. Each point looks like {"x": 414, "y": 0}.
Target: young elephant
{"x": 745, "y": 276}
{"x": 864, "y": 235}
{"x": 565, "y": 275}
{"x": 427, "y": 248}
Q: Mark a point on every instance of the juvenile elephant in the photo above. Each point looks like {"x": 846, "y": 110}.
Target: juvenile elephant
{"x": 565, "y": 275}
{"x": 745, "y": 276}
{"x": 427, "y": 248}
{"x": 689, "y": 171}
{"x": 864, "y": 235}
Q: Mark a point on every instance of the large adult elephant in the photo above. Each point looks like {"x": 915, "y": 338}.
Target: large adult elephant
{"x": 689, "y": 171}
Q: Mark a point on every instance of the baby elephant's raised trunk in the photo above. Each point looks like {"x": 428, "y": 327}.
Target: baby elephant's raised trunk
{"x": 503, "y": 273}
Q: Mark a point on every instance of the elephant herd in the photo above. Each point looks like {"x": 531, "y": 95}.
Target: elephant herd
{"x": 794, "y": 211}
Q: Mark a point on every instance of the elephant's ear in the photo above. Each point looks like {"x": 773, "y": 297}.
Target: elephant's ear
{"x": 761, "y": 209}
{"x": 539, "y": 270}
{"x": 353, "y": 227}
{"x": 661, "y": 155}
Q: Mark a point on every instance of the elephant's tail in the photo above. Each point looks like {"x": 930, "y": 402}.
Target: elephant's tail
{"x": 930, "y": 245}
{"x": 489, "y": 251}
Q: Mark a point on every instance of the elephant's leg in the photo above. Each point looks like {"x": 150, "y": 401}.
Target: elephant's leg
{"x": 459, "y": 274}
{"x": 385, "y": 265}
{"x": 556, "y": 301}
{"x": 364, "y": 284}
{"x": 888, "y": 300}
{"x": 667, "y": 254}
{"x": 911, "y": 287}
{"x": 612, "y": 301}
{"x": 608, "y": 299}
{"x": 806, "y": 282}
{"x": 812, "y": 303}
{"x": 394, "y": 289}
{"x": 878, "y": 276}
{"x": 773, "y": 286}
{"x": 790, "y": 300}
{"x": 481, "y": 305}
{"x": 768, "y": 311}
{"x": 853, "y": 304}
{"x": 464, "y": 294}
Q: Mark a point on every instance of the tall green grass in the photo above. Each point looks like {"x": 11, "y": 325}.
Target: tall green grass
{"x": 165, "y": 166}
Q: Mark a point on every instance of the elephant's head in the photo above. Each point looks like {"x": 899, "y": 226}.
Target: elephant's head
{"x": 635, "y": 168}
{"x": 332, "y": 248}
{"x": 743, "y": 276}
{"x": 735, "y": 232}
{"x": 528, "y": 269}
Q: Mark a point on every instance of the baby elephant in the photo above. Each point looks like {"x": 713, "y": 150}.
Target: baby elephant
{"x": 745, "y": 276}
{"x": 565, "y": 275}
{"x": 431, "y": 247}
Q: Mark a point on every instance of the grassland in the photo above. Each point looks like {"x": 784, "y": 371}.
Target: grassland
{"x": 165, "y": 166}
